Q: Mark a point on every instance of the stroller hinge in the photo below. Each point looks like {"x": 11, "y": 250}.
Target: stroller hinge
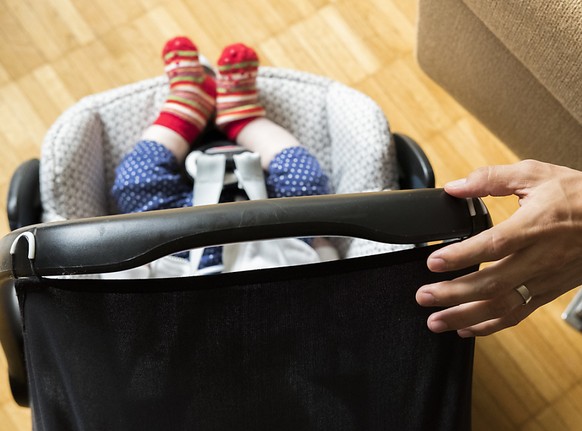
{"x": 31, "y": 251}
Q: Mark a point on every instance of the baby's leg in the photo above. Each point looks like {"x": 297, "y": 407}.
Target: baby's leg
{"x": 291, "y": 169}
{"x": 191, "y": 102}
{"x": 296, "y": 172}
{"x": 239, "y": 112}
{"x": 149, "y": 177}
{"x": 266, "y": 138}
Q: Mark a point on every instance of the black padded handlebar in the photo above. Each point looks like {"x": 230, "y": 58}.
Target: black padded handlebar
{"x": 114, "y": 243}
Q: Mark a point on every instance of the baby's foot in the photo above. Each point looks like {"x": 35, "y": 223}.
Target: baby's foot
{"x": 237, "y": 102}
{"x": 192, "y": 93}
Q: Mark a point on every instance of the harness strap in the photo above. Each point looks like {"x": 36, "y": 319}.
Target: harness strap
{"x": 209, "y": 176}
{"x": 209, "y": 179}
{"x": 250, "y": 175}
{"x": 207, "y": 188}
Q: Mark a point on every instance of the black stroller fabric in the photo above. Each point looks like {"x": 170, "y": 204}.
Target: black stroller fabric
{"x": 334, "y": 346}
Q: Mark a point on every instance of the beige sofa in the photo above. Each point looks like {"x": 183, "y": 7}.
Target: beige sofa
{"x": 515, "y": 64}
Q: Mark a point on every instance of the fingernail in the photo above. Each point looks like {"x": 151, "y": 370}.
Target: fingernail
{"x": 425, "y": 298}
{"x": 436, "y": 263}
{"x": 456, "y": 184}
{"x": 465, "y": 333}
{"x": 437, "y": 325}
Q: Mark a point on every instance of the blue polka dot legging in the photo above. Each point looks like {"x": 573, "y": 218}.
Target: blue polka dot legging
{"x": 149, "y": 178}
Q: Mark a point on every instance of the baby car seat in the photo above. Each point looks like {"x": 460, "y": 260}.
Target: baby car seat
{"x": 339, "y": 345}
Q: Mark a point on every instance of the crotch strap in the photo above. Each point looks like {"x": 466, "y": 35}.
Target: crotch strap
{"x": 209, "y": 180}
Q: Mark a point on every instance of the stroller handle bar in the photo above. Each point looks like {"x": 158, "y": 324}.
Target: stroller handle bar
{"x": 119, "y": 242}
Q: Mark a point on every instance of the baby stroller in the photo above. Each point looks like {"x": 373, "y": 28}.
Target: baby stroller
{"x": 339, "y": 345}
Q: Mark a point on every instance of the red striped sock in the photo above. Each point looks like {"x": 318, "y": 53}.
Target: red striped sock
{"x": 237, "y": 101}
{"x": 192, "y": 93}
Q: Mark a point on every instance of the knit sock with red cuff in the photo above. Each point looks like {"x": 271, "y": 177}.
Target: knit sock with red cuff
{"x": 192, "y": 93}
{"x": 237, "y": 101}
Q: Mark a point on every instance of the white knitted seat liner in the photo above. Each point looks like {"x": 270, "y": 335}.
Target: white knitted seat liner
{"x": 343, "y": 128}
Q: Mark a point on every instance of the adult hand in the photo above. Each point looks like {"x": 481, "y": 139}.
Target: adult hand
{"x": 539, "y": 246}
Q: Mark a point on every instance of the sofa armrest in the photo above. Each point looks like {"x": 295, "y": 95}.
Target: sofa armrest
{"x": 546, "y": 37}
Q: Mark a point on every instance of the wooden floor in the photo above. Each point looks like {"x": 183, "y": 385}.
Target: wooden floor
{"x": 53, "y": 52}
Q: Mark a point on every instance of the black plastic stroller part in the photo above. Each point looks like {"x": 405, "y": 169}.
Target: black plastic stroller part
{"x": 12, "y": 341}
{"x": 23, "y": 209}
{"x": 115, "y": 243}
{"x": 415, "y": 170}
{"x": 23, "y": 204}
{"x": 338, "y": 345}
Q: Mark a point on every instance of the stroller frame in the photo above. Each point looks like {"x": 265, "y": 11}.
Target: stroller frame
{"x": 34, "y": 251}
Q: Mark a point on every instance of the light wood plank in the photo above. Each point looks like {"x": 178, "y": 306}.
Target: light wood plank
{"x": 26, "y": 121}
{"x": 191, "y": 25}
{"x": 360, "y": 56}
{"x": 76, "y": 24}
{"x": 120, "y": 12}
{"x": 508, "y": 385}
{"x": 36, "y": 92}
{"x": 564, "y": 414}
{"x": 56, "y": 89}
{"x": 486, "y": 401}
{"x": 18, "y": 53}
{"x": 46, "y": 28}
